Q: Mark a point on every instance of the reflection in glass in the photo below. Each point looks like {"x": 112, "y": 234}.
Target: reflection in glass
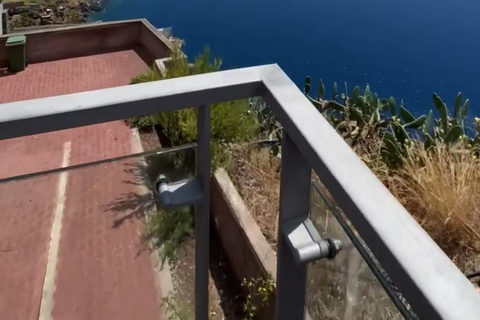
{"x": 94, "y": 225}
{"x": 352, "y": 286}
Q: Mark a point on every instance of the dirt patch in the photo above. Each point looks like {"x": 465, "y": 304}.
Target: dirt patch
{"x": 226, "y": 299}
{"x": 225, "y": 289}
{"x": 256, "y": 175}
{"x": 183, "y": 278}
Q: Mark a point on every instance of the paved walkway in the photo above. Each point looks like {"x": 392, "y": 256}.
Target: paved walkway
{"x": 70, "y": 242}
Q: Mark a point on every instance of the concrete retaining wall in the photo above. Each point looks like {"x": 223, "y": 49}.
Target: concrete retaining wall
{"x": 245, "y": 245}
{"x": 157, "y": 45}
{"x": 81, "y": 40}
{"x": 249, "y": 253}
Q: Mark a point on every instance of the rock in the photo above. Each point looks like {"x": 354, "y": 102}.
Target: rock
{"x": 34, "y": 15}
{"x": 95, "y": 6}
{"x": 17, "y": 10}
{"x": 46, "y": 21}
{"x": 53, "y": 12}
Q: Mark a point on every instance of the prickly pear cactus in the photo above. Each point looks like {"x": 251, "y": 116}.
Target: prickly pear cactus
{"x": 360, "y": 114}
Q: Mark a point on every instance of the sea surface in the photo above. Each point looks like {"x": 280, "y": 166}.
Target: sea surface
{"x": 402, "y": 48}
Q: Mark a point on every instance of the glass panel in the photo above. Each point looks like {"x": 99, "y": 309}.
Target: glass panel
{"x": 352, "y": 286}
{"x": 76, "y": 241}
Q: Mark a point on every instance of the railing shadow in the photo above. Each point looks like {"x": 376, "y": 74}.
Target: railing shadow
{"x": 135, "y": 203}
{"x": 144, "y": 173}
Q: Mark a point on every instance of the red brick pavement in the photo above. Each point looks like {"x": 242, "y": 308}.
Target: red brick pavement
{"x": 34, "y": 153}
{"x": 26, "y": 212}
{"x": 71, "y": 75}
{"x": 100, "y": 274}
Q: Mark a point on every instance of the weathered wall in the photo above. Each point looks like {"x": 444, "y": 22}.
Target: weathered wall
{"x": 156, "y": 43}
{"x": 249, "y": 253}
{"x": 74, "y": 41}
{"x": 247, "y": 248}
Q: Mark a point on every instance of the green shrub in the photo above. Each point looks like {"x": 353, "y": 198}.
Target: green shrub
{"x": 151, "y": 75}
{"x": 169, "y": 229}
{"x": 144, "y": 123}
{"x": 230, "y": 121}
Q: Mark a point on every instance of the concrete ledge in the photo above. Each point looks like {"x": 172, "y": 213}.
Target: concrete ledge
{"x": 161, "y": 65}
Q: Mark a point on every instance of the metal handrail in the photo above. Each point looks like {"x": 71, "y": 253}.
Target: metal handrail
{"x": 427, "y": 278}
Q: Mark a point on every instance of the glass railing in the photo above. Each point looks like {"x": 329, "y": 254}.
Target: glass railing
{"x": 98, "y": 203}
{"x": 353, "y": 285}
{"x": 76, "y": 240}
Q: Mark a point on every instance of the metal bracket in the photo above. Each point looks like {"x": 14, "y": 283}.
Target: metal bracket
{"x": 306, "y": 243}
{"x": 177, "y": 194}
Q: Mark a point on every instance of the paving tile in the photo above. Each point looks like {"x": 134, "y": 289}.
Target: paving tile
{"x": 100, "y": 274}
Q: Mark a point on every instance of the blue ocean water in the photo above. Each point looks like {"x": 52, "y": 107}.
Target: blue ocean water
{"x": 404, "y": 48}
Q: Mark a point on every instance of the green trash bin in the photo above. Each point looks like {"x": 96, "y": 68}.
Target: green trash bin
{"x": 16, "y": 52}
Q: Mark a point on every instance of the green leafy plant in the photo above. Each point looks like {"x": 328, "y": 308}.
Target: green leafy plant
{"x": 151, "y": 75}
{"x": 230, "y": 121}
{"x": 450, "y": 129}
{"x": 259, "y": 293}
{"x": 270, "y": 130}
{"x": 168, "y": 230}
{"x": 363, "y": 117}
{"x": 269, "y": 127}
{"x": 145, "y": 123}
{"x": 177, "y": 309}
{"x": 475, "y": 142}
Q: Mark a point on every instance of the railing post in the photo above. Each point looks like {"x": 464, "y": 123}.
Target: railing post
{"x": 294, "y": 205}
{"x": 202, "y": 214}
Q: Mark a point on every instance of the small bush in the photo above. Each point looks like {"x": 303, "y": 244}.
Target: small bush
{"x": 230, "y": 121}
{"x": 144, "y": 123}
{"x": 169, "y": 229}
{"x": 151, "y": 75}
{"x": 260, "y": 292}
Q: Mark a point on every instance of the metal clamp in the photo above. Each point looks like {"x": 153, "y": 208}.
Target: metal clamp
{"x": 177, "y": 194}
{"x": 306, "y": 243}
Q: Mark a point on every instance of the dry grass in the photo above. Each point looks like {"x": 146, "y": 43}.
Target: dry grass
{"x": 343, "y": 288}
{"x": 256, "y": 175}
{"x": 442, "y": 191}
{"x": 439, "y": 188}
